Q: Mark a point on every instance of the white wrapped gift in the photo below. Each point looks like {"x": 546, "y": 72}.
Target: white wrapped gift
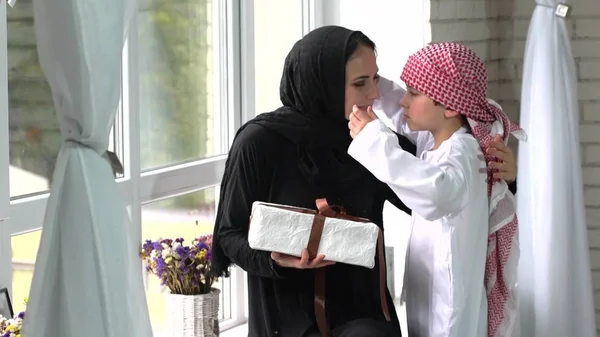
{"x": 287, "y": 230}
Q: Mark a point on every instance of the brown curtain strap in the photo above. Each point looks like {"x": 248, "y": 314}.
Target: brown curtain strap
{"x": 382, "y": 277}
{"x": 320, "y": 281}
{"x": 320, "y": 312}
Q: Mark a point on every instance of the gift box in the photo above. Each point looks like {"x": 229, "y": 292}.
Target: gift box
{"x": 288, "y": 230}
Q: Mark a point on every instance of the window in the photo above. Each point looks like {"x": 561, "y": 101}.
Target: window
{"x": 24, "y": 249}
{"x": 33, "y": 128}
{"x": 179, "y": 101}
{"x": 34, "y": 133}
{"x": 179, "y": 94}
{"x": 274, "y": 36}
{"x": 34, "y": 140}
{"x": 192, "y": 74}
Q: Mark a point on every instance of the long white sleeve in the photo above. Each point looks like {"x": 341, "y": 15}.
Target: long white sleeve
{"x": 432, "y": 191}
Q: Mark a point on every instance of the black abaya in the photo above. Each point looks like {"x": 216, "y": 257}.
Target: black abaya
{"x": 281, "y": 299}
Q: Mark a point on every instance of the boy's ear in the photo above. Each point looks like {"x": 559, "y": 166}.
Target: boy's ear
{"x": 451, "y": 113}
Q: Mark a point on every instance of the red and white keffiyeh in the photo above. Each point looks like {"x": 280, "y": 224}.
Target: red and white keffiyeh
{"x": 455, "y": 76}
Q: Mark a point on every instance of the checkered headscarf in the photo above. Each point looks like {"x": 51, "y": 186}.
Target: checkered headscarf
{"x": 454, "y": 76}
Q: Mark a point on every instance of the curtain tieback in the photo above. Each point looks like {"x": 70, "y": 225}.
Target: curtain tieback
{"x": 111, "y": 157}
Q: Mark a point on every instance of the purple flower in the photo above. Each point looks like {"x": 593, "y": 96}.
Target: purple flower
{"x": 148, "y": 245}
{"x": 183, "y": 251}
{"x": 201, "y": 246}
{"x": 160, "y": 265}
{"x": 188, "y": 270}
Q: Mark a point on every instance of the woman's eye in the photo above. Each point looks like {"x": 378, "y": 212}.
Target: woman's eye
{"x": 359, "y": 84}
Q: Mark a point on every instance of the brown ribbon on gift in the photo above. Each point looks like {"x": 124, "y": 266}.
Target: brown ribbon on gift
{"x": 316, "y": 232}
{"x": 325, "y": 210}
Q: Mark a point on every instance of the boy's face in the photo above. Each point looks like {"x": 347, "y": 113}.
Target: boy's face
{"x": 423, "y": 113}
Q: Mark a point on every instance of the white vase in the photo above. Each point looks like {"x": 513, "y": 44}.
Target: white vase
{"x": 193, "y": 315}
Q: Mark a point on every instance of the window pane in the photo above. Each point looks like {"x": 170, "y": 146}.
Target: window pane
{"x": 178, "y": 64}
{"x": 34, "y": 132}
{"x": 24, "y": 250}
{"x": 35, "y": 137}
{"x": 187, "y": 216}
{"x": 274, "y": 36}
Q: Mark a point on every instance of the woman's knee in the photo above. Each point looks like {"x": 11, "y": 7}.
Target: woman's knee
{"x": 367, "y": 328}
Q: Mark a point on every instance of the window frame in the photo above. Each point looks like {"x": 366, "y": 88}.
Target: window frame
{"x": 137, "y": 187}
{"x": 147, "y": 186}
{"x": 5, "y": 244}
{"x": 236, "y": 78}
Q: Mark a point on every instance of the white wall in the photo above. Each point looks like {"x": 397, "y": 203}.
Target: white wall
{"x": 398, "y": 27}
{"x": 274, "y": 37}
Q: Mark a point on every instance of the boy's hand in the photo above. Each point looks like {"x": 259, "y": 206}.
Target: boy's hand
{"x": 358, "y": 119}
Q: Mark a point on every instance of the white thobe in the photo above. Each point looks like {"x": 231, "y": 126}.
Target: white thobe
{"x": 447, "y": 192}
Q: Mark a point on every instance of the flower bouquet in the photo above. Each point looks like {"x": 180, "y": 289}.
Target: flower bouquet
{"x": 12, "y": 327}
{"x": 193, "y": 304}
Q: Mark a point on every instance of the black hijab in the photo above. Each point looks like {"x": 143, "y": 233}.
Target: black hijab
{"x": 312, "y": 91}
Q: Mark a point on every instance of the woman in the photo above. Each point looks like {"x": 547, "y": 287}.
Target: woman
{"x": 294, "y": 156}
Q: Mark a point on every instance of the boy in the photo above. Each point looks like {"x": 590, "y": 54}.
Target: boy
{"x": 461, "y": 261}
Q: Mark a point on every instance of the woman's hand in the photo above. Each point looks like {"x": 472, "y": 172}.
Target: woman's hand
{"x": 303, "y": 262}
{"x": 506, "y": 166}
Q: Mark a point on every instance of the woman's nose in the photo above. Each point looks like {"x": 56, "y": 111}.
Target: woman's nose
{"x": 374, "y": 93}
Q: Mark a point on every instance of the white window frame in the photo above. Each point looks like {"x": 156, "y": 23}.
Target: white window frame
{"x": 236, "y": 77}
{"x": 5, "y": 250}
{"x": 137, "y": 187}
{"x": 179, "y": 179}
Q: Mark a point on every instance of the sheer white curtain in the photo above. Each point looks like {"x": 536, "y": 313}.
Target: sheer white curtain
{"x": 555, "y": 285}
{"x": 87, "y": 279}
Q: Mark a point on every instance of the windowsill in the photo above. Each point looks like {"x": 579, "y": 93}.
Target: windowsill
{"x": 238, "y": 331}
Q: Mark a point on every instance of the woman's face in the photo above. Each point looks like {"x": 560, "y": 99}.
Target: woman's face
{"x": 361, "y": 79}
